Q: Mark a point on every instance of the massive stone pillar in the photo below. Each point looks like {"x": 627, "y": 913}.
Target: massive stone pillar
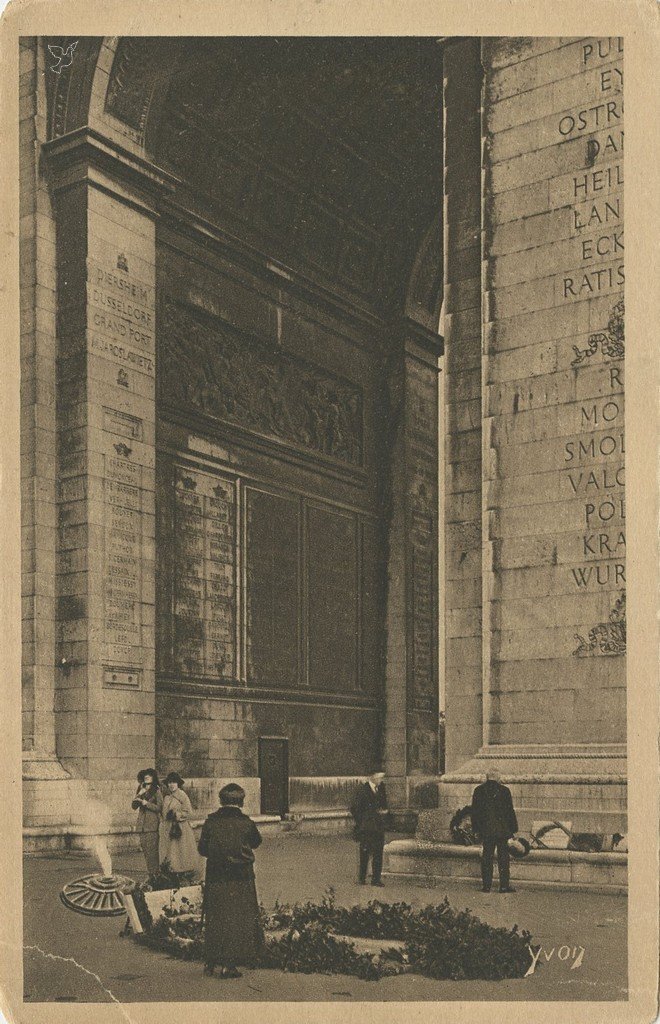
{"x": 554, "y": 530}
{"x": 38, "y": 448}
{"x": 105, "y": 579}
{"x": 462, "y": 506}
{"x": 411, "y": 675}
{"x": 37, "y": 236}
{"x": 536, "y": 633}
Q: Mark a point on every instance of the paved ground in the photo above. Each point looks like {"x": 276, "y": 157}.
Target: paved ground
{"x": 295, "y": 867}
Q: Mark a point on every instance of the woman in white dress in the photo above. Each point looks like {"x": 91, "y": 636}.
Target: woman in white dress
{"x": 178, "y": 849}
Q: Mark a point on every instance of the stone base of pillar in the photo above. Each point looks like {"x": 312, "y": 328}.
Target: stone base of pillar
{"x": 47, "y": 789}
{"x": 38, "y": 765}
{"x": 441, "y": 863}
{"x": 57, "y": 805}
{"x": 581, "y": 785}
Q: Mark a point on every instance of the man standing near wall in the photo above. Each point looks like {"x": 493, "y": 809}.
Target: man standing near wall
{"x": 494, "y": 821}
{"x": 369, "y": 809}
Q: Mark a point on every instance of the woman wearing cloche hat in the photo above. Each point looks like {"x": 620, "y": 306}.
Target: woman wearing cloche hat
{"x": 148, "y": 802}
{"x": 178, "y": 850}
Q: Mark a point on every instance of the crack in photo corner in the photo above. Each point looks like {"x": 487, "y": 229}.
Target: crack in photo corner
{"x": 72, "y": 960}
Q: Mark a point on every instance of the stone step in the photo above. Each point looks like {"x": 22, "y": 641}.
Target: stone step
{"x": 418, "y": 860}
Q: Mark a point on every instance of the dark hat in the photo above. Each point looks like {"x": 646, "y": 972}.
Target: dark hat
{"x": 174, "y": 777}
{"x": 232, "y": 795}
{"x": 141, "y": 775}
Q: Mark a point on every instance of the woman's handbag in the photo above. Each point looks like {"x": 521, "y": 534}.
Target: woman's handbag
{"x": 175, "y": 830}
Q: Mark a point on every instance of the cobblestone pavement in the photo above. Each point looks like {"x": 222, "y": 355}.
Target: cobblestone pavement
{"x": 295, "y": 867}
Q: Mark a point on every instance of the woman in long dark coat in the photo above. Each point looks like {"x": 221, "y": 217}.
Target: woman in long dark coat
{"x": 232, "y": 928}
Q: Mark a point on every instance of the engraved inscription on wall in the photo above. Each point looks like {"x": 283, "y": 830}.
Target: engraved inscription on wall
{"x": 203, "y": 578}
{"x": 594, "y": 457}
{"x": 422, "y": 414}
{"x": 333, "y": 604}
{"x": 267, "y": 589}
{"x": 423, "y": 609}
{"x": 122, "y": 564}
{"x": 597, "y": 192}
{"x": 121, "y": 316}
{"x": 213, "y": 370}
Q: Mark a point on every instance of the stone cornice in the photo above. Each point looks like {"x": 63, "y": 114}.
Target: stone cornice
{"x": 538, "y": 778}
{"x": 86, "y": 155}
{"x": 504, "y": 751}
{"x": 420, "y": 342}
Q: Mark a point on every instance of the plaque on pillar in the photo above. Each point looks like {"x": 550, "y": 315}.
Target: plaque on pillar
{"x": 122, "y": 569}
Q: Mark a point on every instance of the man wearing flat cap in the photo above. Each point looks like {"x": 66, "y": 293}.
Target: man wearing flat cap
{"x": 369, "y": 810}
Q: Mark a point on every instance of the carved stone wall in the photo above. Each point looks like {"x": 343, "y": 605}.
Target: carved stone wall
{"x": 555, "y": 400}
{"x": 200, "y": 552}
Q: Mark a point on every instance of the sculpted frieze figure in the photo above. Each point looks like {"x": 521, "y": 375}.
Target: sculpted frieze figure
{"x": 205, "y": 369}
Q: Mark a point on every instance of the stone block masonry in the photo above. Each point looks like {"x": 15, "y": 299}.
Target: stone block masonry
{"x": 462, "y": 98}
{"x": 535, "y": 489}
{"x": 555, "y": 473}
{"x": 106, "y": 461}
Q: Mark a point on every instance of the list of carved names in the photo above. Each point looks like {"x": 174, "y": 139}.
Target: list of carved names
{"x": 594, "y": 457}
{"x": 203, "y": 598}
{"x": 122, "y": 571}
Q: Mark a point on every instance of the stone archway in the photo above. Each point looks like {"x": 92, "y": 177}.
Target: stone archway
{"x": 324, "y": 260}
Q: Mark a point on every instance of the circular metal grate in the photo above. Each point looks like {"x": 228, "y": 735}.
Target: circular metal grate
{"x": 96, "y": 894}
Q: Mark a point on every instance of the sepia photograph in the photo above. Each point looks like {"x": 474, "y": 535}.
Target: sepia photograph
{"x": 323, "y": 520}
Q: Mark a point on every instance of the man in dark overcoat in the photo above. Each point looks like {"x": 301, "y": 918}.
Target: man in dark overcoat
{"x": 369, "y": 810}
{"x": 494, "y": 821}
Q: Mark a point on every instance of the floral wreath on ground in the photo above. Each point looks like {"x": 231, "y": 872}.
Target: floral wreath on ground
{"x": 436, "y": 941}
{"x": 463, "y": 834}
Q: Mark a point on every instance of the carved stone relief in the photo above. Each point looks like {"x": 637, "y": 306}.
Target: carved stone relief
{"x": 204, "y": 368}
